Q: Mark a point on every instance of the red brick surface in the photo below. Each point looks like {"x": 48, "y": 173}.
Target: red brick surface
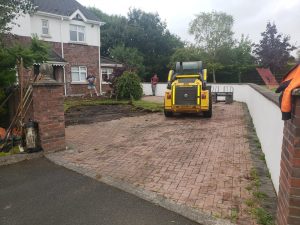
{"x": 196, "y": 162}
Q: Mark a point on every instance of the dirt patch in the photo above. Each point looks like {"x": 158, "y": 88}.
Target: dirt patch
{"x": 99, "y": 113}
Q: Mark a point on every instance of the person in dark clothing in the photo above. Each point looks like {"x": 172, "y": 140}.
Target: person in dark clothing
{"x": 154, "y": 81}
{"x": 91, "y": 84}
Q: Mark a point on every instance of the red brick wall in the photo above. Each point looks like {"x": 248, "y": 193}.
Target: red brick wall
{"x": 79, "y": 55}
{"x": 48, "y": 111}
{"x": 289, "y": 185}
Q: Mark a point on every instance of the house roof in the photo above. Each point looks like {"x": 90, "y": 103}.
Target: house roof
{"x": 105, "y": 60}
{"x": 54, "y": 57}
{"x": 64, "y": 8}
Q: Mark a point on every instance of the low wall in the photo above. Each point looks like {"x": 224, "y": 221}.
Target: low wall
{"x": 266, "y": 116}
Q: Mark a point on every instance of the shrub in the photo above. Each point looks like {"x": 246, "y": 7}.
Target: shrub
{"x": 129, "y": 86}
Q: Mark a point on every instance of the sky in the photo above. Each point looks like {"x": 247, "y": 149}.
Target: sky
{"x": 250, "y": 16}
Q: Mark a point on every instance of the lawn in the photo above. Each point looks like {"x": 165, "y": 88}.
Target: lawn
{"x": 139, "y": 104}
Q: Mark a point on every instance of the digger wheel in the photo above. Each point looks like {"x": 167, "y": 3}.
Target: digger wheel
{"x": 208, "y": 114}
{"x": 168, "y": 113}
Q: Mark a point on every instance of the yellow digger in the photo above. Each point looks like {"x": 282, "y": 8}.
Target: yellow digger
{"x": 187, "y": 91}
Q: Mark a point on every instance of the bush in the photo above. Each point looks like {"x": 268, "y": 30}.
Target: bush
{"x": 129, "y": 86}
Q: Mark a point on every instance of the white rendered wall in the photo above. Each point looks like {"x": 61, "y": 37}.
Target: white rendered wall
{"x": 28, "y": 25}
{"x": 266, "y": 118}
{"x": 91, "y": 31}
{"x": 22, "y": 26}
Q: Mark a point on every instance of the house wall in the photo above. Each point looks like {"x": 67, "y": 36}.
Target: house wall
{"x": 76, "y": 54}
{"x": 22, "y": 26}
{"x": 79, "y": 55}
{"x": 266, "y": 116}
{"x": 60, "y": 30}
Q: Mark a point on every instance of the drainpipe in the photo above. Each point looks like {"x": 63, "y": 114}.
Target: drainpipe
{"x": 63, "y": 56}
{"x": 100, "y": 71}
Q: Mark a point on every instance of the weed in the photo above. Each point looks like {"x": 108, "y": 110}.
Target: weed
{"x": 262, "y": 157}
{"x": 260, "y": 195}
{"x": 234, "y": 215}
{"x": 262, "y": 216}
{"x": 250, "y": 202}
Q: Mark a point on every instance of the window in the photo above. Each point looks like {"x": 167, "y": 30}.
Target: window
{"x": 45, "y": 27}
{"x": 77, "y": 33}
{"x": 79, "y": 73}
{"x": 107, "y": 74}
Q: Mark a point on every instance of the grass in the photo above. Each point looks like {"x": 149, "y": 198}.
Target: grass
{"x": 148, "y": 106}
{"x": 262, "y": 216}
{"x": 69, "y": 103}
{"x": 234, "y": 215}
{"x": 139, "y": 104}
{"x": 14, "y": 150}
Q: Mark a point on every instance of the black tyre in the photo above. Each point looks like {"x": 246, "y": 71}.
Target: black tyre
{"x": 208, "y": 114}
{"x": 168, "y": 113}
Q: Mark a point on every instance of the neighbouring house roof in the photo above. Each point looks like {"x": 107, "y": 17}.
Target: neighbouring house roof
{"x": 267, "y": 76}
{"x": 54, "y": 59}
{"x": 110, "y": 62}
{"x": 64, "y": 8}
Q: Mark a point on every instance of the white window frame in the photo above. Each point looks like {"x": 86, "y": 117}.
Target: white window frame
{"x": 105, "y": 71}
{"x": 80, "y": 70}
{"x": 46, "y": 27}
{"x": 76, "y": 28}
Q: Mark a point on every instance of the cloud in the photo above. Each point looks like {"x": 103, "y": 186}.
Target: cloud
{"x": 250, "y": 17}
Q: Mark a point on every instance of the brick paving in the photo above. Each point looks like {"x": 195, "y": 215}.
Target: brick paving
{"x": 200, "y": 163}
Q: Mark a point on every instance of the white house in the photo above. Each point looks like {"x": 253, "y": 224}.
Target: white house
{"x": 73, "y": 32}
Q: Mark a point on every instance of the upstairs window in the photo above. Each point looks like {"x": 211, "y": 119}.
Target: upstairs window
{"x": 77, "y": 33}
{"x": 79, "y": 73}
{"x": 45, "y": 27}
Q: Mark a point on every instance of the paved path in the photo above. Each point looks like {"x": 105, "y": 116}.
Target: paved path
{"x": 38, "y": 192}
{"x": 202, "y": 164}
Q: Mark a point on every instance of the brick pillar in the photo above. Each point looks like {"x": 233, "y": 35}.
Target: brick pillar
{"x": 48, "y": 111}
{"x": 288, "y": 211}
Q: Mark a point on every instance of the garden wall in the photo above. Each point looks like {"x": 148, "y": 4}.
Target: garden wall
{"x": 266, "y": 116}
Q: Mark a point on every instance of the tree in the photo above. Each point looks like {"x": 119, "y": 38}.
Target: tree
{"x": 189, "y": 53}
{"x": 113, "y": 33}
{"x": 130, "y": 57}
{"x": 212, "y": 31}
{"x": 298, "y": 56}
{"x": 243, "y": 59}
{"x": 143, "y": 31}
{"x": 11, "y": 9}
{"x": 151, "y": 37}
{"x": 274, "y": 49}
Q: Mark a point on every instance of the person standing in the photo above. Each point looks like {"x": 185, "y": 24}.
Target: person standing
{"x": 91, "y": 84}
{"x": 154, "y": 81}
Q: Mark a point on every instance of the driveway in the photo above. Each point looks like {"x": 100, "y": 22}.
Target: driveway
{"x": 187, "y": 161}
{"x": 40, "y": 192}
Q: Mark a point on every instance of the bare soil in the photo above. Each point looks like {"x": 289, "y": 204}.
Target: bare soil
{"x": 100, "y": 113}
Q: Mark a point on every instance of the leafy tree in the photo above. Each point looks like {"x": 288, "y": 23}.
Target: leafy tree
{"x": 243, "y": 59}
{"x": 298, "y": 56}
{"x": 130, "y": 57}
{"x": 113, "y": 33}
{"x": 38, "y": 51}
{"x": 150, "y": 36}
{"x": 189, "y": 53}
{"x": 274, "y": 49}
{"x": 11, "y": 9}
{"x": 212, "y": 31}
{"x": 128, "y": 86}
{"x": 143, "y": 31}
